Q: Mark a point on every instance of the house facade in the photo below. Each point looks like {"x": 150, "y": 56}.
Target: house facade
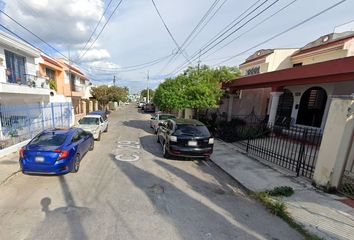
{"x": 256, "y": 100}
{"x": 300, "y": 88}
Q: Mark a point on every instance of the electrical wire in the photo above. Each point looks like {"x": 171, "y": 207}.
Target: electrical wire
{"x": 213, "y": 44}
{"x": 98, "y": 23}
{"x": 285, "y": 31}
{"x": 223, "y": 31}
{"x": 252, "y": 28}
{"x": 168, "y": 30}
{"x": 22, "y": 26}
{"x": 99, "y": 34}
{"x": 193, "y": 31}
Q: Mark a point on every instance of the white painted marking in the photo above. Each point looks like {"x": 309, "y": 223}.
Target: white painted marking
{"x": 134, "y": 158}
{"x": 128, "y": 142}
{"x": 129, "y": 146}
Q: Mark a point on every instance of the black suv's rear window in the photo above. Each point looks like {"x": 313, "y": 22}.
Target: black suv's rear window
{"x": 192, "y": 130}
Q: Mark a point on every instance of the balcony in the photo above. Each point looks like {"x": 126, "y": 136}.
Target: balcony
{"x": 30, "y": 84}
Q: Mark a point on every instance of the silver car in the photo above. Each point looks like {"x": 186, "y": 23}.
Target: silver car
{"x": 158, "y": 118}
{"x": 94, "y": 124}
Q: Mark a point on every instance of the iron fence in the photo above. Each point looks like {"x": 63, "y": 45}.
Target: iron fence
{"x": 295, "y": 148}
{"x": 23, "y": 122}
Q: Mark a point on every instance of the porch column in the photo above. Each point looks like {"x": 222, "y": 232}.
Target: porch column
{"x": 229, "y": 107}
{"x": 273, "y": 106}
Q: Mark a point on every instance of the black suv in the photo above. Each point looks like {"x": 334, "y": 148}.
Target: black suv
{"x": 185, "y": 138}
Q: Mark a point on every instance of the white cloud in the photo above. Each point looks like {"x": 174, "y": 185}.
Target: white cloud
{"x": 57, "y": 21}
{"x": 94, "y": 55}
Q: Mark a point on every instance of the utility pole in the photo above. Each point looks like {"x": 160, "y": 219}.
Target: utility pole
{"x": 114, "y": 80}
{"x": 147, "y": 80}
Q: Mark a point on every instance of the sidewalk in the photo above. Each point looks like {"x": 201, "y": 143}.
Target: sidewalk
{"x": 320, "y": 213}
{"x": 9, "y": 166}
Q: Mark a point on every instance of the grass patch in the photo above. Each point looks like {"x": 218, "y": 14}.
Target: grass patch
{"x": 278, "y": 208}
{"x": 281, "y": 191}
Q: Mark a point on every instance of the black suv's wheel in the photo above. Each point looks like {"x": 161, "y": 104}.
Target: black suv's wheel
{"x": 164, "y": 151}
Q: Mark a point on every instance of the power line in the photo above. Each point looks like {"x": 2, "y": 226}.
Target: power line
{"x": 252, "y": 28}
{"x": 46, "y": 43}
{"x": 168, "y": 30}
{"x": 191, "y": 34}
{"x": 99, "y": 34}
{"x": 285, "y": 31}
{"x": 98, "y": 23}
{"x": 232, "y": 24}
{"x": 195, "y": 56}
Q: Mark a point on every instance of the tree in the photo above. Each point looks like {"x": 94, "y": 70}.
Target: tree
{"x": 104, "y": 94}
{"x": 143, "y": 93}
{"x": 197, "y": 88}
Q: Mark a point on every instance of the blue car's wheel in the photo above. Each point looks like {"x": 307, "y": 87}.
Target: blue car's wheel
{"x": 76, "y": 164}
{"x": 92, "y": 145}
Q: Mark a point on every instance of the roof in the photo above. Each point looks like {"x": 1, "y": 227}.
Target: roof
{"x": 337, "y": 70}
{"x": 51, "y": 60}
{"x": 187, "y": 121}
{"x": 326, "y": 41}
{"x": 258, "y": 55}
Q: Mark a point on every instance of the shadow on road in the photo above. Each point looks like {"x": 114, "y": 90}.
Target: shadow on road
{"x": 64, "y": 222}
{"x": 139, "y": 124}
{"x": 185, "y": 210}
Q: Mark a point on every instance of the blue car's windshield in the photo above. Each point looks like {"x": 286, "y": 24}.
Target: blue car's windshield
{"x": 49, "y": 139}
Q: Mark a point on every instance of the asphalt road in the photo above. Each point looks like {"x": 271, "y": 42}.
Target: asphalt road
{"x": 126, "y": 190}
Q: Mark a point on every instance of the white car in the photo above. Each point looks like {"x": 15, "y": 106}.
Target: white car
{"x": 94, "y": 124}
{"x": 158, "y": 118}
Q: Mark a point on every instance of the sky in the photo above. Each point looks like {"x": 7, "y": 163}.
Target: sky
{"x": 134, "y": 42}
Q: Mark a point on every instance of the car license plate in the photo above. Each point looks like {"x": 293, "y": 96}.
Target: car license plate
{"x": 192, "y": 143}
{"x": 39, "y": 159}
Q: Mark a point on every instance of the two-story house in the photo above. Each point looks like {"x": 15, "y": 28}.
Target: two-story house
{"x": 299, "y": 92}
{"x": 22, "y": 90}
{"x": 243, "y": 101}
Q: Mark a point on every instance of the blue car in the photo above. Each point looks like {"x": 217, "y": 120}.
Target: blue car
{"x": 56, "y": 151}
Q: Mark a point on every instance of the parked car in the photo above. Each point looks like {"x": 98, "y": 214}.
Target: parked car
{"x": 94, "y": 124}
{"x": 103, "y": 114}
{"x": 185, "y": 138}
{"x": 55, "y": 151}
{"x": 141, "y": 104}
{"x": 149, "y": 107}
{"x": 159, "y": 118}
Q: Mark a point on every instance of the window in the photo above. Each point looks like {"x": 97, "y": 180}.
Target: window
{"x": 192, "y": 130}
{"x": 253, "y": 70}
{"x": 16, "y": 68}
{"x": 50, "y": 73}
{"x": 76, "y": 137}
{"x": 72, "y": 82}
{"x": 101, "y": 120}
{"x": 49, "y": 139}
{"x": 169, "y": 125}
{"x": 297, "y": 64}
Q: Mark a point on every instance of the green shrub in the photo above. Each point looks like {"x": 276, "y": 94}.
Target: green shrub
{"x": 281, "y": 191}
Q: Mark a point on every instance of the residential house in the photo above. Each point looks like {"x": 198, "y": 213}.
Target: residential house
{"x": 23, "y": 92}
{"x": 300, "y": 89}
{"x": 244, "y": 101}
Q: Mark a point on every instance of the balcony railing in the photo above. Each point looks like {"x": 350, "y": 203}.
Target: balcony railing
{"x": 37, "y": 82}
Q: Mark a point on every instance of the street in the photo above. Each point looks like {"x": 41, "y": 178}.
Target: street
{"x": 125, "y": 189}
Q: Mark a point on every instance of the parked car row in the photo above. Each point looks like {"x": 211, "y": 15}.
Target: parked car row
{"x": 147, "y": 107}
{"x": 60, "y": 151}
{"x": 182, "y": 137}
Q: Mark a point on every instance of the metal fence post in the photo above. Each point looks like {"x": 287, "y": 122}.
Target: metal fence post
{"x": 53, "y": 120}
{"x": 301, "y": 152}
{"x": 29, "y": 122}
{"x": 69, "y": 117}
{"x": 42, "y": 113}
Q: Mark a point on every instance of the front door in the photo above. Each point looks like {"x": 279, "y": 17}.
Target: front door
{"x": 312, "y": 107}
